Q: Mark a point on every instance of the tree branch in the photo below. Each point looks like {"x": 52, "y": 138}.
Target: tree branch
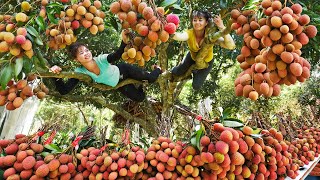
{"x": 149, "y": 127}
{"x": 163, "y": 82}
{"x": 179, "y": 88}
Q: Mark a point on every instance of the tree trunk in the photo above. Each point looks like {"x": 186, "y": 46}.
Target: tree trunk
{"x": 148, "y": 124}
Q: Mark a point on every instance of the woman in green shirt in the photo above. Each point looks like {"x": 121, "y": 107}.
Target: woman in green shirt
{"x": 102, "y": 71}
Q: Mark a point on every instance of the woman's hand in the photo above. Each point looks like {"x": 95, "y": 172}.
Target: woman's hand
{"x": 55, "y": 69}
{"x": 218, "y": 21}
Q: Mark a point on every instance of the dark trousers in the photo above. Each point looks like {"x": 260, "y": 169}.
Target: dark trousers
{"x": 128, "y": 71}
{"x": 199, "y": 75}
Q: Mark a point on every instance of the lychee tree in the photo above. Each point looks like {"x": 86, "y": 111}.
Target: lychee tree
{"x": 53, "y": 25}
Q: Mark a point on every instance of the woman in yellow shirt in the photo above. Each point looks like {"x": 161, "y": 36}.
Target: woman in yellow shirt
{"x": 200, "y": 22}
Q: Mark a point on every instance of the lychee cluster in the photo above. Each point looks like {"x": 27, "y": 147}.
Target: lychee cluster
{"x": 85, "y": 14}
{"x": 16, "y": 93}
{"x": 150, "y": 25}
{"x": 14, "y": 41}
{"x": 271, "y": 52}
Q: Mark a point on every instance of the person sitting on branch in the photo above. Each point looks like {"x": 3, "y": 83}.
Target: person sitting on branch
{"x": 102, "y": 71}
{"x": 201, "y": 38}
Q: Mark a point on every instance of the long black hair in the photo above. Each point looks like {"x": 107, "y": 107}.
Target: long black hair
{"x": 73, "y": 49}
{"x": 202, "y": 13}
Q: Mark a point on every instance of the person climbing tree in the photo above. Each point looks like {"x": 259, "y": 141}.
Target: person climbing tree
{"x": 102, "y": 71}
{"x": 201, "y": 22}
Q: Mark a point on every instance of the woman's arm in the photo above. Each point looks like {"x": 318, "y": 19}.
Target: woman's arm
{"x": 117, "y": 54}
{"x": 181, "y": 36}
{"x": 225, "y": 41}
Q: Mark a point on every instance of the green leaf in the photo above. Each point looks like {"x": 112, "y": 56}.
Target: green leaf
{"x": 40, "y": 22}
{"x": 30, "y": 37}
{"x": 1, "y": 173}
{"x": 166, "y": 3}
{"x": 198, "y": 137}
{"x": 42, "y": 60}
{"x": 52, "y": 19}
{"x": 18, "y": 66}
{"x": 256, "y": 131}
{"x": 233, "y": 119}
{"x": 251, "y": 4}
{"x": 31, "y": 30}
{"x": 144, "y": 141}
{"x": 27, "y": 64}
{"x": 5, "y": 76}
{"x": 39, "y": 41}
{"x": 52, "y": 147}
{"x": 44, "y": 154}
{"x": 54, "y": 5}
{"x": 85, "y": 143}
{"x": 226, "y": 112}
{"x": 256, "y": 135}
{"x": 223, "y": 4}
{"x": 193, "y": 141}
{"x": 114, "y": 23}
{"x": 3, "y": 61}
{"x": 232, "y": 124}
{"x": 176, "y": 6}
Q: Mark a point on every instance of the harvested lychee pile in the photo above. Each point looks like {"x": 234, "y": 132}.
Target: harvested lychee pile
{"x": 226, "y": 153}
{"x": 150, "y": 25}
{"x": 271, "y": 52}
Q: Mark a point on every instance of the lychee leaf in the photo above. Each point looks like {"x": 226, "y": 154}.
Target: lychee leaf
{"x": 18, "y": 66}
{"x": 233, "y": 119}
{"x": 27, "y": 64}
{"x": 40, "y": 22}
{"x": 166, "y": 3}
{"x": 44, "y": 154}
{"x": 195, "y": 138}
{"x": 176, "y": 6}
{"x": 114, "y": 23}
{"x": 251, "y": 4}
{"x": 31, "y": 30}
{"x": 198, "y": 138}
{"x": 223, "y": 3}
{"x": 5, "y": 76}
{"x": 39, "y": 41}
{"x": 53, "y": 147}
{"x": 42, "y": 60}
{"x": 1, "y": 173}
{"x": 256, "y": 135}
{"x": 30, "y": 37}
{"x": 52, "y": 19}
{"x": 232, "y": 124}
